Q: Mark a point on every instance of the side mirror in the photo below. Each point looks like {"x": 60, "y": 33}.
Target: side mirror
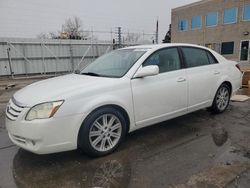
{"x": 150, "y": 70}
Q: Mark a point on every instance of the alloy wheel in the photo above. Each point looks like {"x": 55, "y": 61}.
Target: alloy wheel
{"x": 105, "y": 132}
{"x": 222, "y": 98}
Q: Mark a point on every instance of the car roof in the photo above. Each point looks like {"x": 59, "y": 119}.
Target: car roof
{"x": 159, "y": 46}
{"x": 154, "y": 47}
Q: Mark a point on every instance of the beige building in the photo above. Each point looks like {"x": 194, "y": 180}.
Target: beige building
{"x": 223, "y": 25}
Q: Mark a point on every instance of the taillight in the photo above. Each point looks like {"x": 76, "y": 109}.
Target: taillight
{"x": 238, "y": 67}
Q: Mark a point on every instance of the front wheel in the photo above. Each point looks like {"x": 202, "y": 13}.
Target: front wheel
{"x": 102, "y": 132}
{"x": 221, "y": 99}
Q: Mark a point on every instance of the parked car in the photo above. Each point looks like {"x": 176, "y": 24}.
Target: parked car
{"x": 120, "y": 92}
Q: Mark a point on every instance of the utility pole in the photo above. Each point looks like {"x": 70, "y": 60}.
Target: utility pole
{"x": 119, "y": 37}
{"x": 9, "y": 59}
{"x": 157, "y": 32}
{"x": 71, "y": 57}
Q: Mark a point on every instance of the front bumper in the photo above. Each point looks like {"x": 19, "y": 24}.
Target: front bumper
{"x": 44, "y": 136}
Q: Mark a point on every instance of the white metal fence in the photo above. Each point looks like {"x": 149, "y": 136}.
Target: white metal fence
{"x": 35, "y": 56}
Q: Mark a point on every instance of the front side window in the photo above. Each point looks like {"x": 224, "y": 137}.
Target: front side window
{"x": 114, "y": 64}
{"x": 246, "y": 12}
{"x": 227, "y": 48}
{"x": 230, "y": 16}
{"x": 196, "y": 22}
{"x": 166, "y": 59}
{"x": 195, "y": 57}
{"x": 212, "y": 19}
{"x": 182, "y": 25}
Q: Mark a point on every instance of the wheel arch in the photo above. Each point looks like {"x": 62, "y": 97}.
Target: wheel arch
{"x": 223, "y": 80}
{"x": 120, "y": 109}
{"x": 114, "y": 106}
{"x": 229, "y": 84}
{"x": 214, "y": 108}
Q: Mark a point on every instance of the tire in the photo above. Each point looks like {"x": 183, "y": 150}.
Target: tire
{"x": 102, "y": 132}
{"x": 221, "y": 99}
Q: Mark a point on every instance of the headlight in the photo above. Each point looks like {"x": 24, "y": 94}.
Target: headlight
{"x": 43, "y": 111}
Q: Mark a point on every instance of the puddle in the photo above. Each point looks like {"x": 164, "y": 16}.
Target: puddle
{"x": 247, "y": 154}
{"x": 70, "y": 169}
{"x": 220, "y": 136}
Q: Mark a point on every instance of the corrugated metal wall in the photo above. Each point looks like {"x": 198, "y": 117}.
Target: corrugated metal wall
{"x": 35, "y": 56}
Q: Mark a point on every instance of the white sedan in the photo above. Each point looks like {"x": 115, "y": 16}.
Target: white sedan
{"x": 118, "y": 93}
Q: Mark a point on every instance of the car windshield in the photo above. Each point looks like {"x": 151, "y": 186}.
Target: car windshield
{"x": 114, "y": 64}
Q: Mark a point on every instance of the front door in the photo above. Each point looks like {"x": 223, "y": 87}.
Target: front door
{"x": 158, "y": 98}
{"x": 244, "y": 53}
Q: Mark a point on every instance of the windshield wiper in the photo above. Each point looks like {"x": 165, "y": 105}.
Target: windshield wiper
{"x": 90, "y": 74}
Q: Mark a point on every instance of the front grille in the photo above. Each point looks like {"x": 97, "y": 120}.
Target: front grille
{"x": 13, "y": 110}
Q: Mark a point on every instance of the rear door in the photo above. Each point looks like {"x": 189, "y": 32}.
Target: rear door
{"x": 203, "y": 73}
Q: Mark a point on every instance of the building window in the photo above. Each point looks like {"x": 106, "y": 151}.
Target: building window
{"x": 182, "y": 25}
{"x": 227, "y": 48}
{"x": 230, "y": 16}
{"x": 196, "y": 22}
{"x": 212, "y": 19}
{"x": 246, "y": 12}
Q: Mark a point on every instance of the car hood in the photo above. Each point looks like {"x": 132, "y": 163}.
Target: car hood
{"x": 58, "y": 88}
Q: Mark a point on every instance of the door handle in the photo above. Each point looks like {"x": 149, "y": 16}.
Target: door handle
{"x": 216, "y": 72}
{"x": 181, "y": 80}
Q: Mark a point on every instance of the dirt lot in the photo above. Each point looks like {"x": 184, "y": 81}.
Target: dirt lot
{"x": 196, "y": 150}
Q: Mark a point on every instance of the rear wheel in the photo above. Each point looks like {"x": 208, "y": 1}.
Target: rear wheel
{"x": 102, "y": 132}
{"x": 221, "y": 99}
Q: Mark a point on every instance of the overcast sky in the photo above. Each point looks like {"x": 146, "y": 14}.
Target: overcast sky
{"x": 28, "y": 18}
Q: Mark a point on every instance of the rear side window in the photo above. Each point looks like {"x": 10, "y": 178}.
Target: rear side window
{"x": 166, "y": 59}
{"x": 195, "y": 57}
{"x": 211, "y": 58}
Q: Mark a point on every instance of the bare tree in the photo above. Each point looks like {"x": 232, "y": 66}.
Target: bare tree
{"x": 42, "y": 36}
{"x": 50, "y": 35}
{"x": 73, "y": 28}
{"x": 53, "y": 35}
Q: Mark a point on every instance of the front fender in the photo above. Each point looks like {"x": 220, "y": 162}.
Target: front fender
{"x": 123, "y": 102}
